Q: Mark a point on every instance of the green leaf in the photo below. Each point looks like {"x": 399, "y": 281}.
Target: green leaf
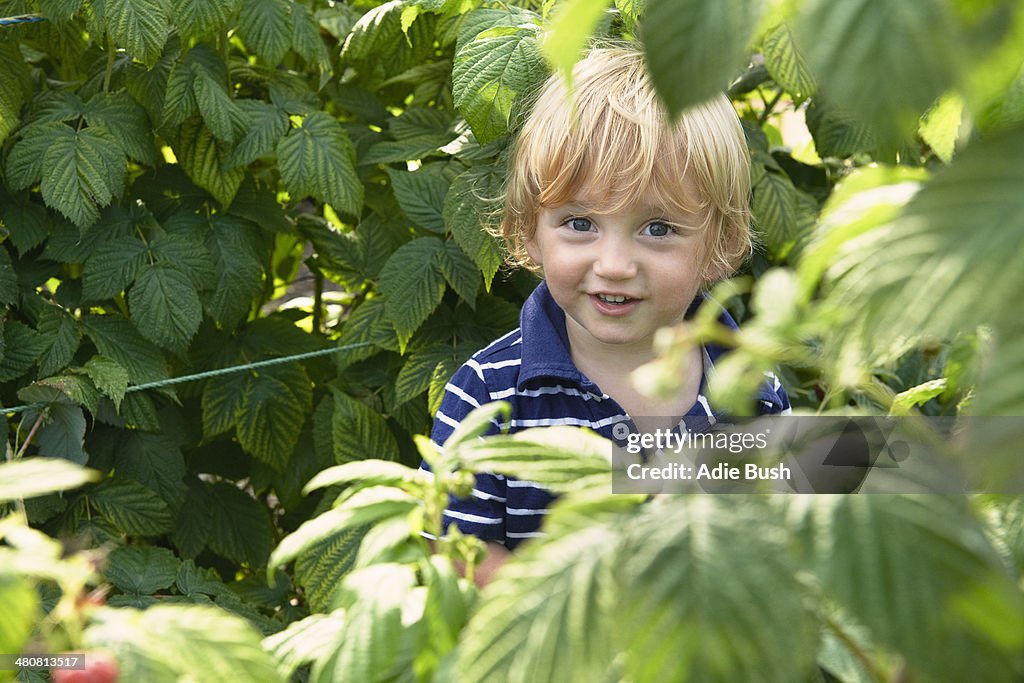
{"x": 115, "y": 338}
{"x": 215, "y": 105}
{"x": 62, "y": 333}
{"x": 918, "y": 275}
{"x": 467, "y": 214}
{"x": 461, "y": 273}
{"x": 786, "y": 65}
{"x": 774, "y": 212}
{"x": 413, "y": 284}
{"x": 8, "y": 279}
{"x": 31, "y": 477}
{"x": 199, "y": 18}
{"x": 265, "y": 27}
{"x": 239, "y": 270}
{"x": 418, "y": 370}
{"x": 303, "y": 640}
{"x": 571, "y": 27}
{"x": 14, "y": 89}
{"x": 862, "y": 48}
{"x": 138, "y": 25}
{"x": 154, "y": 460}
{"x": 222, "y": 401}
{"x": 25, "y": 160}
{"x": 836, "y": 133}
{"x": 241, "y": 529}
{"x": 125, "y": 121}
{"x": 276, "y": 404}
{"x": 306, "y": 40}
{"x": 202, "y": 159}
{"x": 358, "y": 432}
{"x": 168, "y": 643}
{"x": 21, "y": 348}
{"x": 29, "y": 225}
{"x": 363, "y": 473}
{"x": 321, "y": 568}
{"x": 187, "y": 255}
{"x": 21, "y": 610}
{"x": 109, "y": 377}
{"x": 131, "y": 507}
{"x": 710, "y": 38}
{"x": 368, "y": 324}
{"x": 60, "y": 10}
{"x": 141, "y": 569}
{"x": 165, "y": 306}
{"x": 265, "y": 125}
{"x": 317, "y": 159}
{"x": 491, "y": 73}
{"x": 363, "y": 507}
{"x": 630, "y": 11}
{"x": 421, "y": 195}
{"x": 917, "y": 564}
{"x": 194, "y": 520}
{"x": 940, "y": 127}
{"x": 80, "y": 171}
{"x": 63, "y": 433}
{"x": 112, "y": 267}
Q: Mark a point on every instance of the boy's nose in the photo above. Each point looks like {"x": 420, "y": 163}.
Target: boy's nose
{"x": 615, "y": 261}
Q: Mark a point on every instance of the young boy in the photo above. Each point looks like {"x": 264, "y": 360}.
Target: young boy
{"x": 629, "y": 218}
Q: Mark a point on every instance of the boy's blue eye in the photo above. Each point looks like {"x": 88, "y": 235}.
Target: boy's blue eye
{"x": 580, "y": 224}
{"x": 658, "y": 229}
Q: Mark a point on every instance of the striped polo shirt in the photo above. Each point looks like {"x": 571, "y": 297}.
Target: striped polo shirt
{"x": 530, "y": 367}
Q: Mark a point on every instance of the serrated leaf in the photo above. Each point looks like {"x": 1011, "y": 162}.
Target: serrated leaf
{"x": 198, "y": 18}
{"x": 317, "y": 159}
{"x": 138, "y": 25}
{"x": 80, "y": 171}
{"x": 31, "y": 477}
{"x": 421, "y": 196}
{"x": 25, "y": 160}
{"x": 461, "y": 273}
{"x": 786, "y": 65}
{"x": 366, "y": 506}
{"x": 872, "y": 78}
{"x": 112, "y": 267}
{"x": 265, "y": 26}
{"x": 306, "y": 40}
{"x": 413, "y": 284}
{"x": 28, "y": 225}
{"x": 222, "y": 400}
{"x": 187, "y": 255}
{"x": 303, "y": 640}
{"x": 141, "y": 569}
{"x": 194, "y": 519}
{"x": 320, "y": 569}
{"x": 60, "y": 10}
{"x": 165, "y": 307}
{"x": 109, "y": 377}
{"x": 215, "y": 106}
{"x": 63, "y": 433}
{"x": 154, "y": 460}
{"x": 22, "y": 347}
{"x": 368, "y": 325}
{"x": 168, "y": 643}
{"x": 8, "y": 279}
{"x": 630, "y": 11}
{"x": 131, "y": 507}
{"x": 490, "y": 73}
{"x": 202, "y": 159}
{"x": 418, "y": 370}
{"x": 239, "y": 269}
{"x": 241, "y": 529}
{"x": 467, "y": 213}
{"x": 358, "y": 432}
{"x": 62, "y": 333}
{"x": 711, "y": 38}
{"x": 274, "y": 411}
{"x": 835, "y": 133}
{"x": 265, "y": 125}
{"x": 126, "y": 122}
{"x": 117, "y": 339}
{"x": 774, "y": 212}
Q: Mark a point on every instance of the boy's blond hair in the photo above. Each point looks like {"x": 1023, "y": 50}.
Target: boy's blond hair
{"x": 615, "y": 136}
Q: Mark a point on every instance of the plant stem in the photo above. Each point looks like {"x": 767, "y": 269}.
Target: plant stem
{"x": 31, "y": 433}
{"x": 318, "y": 301}
{"x": 111, "y": 53}
{"x": 769, "y": 107}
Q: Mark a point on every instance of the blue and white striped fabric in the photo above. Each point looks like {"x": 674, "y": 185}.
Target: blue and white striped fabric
{"x": 530, "y": 368}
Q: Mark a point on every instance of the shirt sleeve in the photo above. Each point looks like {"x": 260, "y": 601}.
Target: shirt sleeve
{"x": 482, "y": 514}
{"x": 772, "y": 397}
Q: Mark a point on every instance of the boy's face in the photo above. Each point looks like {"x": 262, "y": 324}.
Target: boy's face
{"x": 618, "y": 276}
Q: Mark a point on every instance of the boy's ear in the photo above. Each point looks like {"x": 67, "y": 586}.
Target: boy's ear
{"x": 534, "y": 252}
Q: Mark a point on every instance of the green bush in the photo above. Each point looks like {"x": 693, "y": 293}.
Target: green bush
{"x": 172, "y": 170}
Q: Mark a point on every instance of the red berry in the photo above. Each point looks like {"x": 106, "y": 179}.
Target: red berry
{"x": 99, "y": 668}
